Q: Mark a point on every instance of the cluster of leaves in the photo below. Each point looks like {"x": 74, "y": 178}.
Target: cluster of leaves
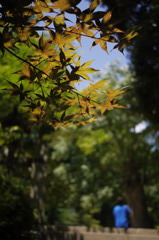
{"x": 46, "y": 85}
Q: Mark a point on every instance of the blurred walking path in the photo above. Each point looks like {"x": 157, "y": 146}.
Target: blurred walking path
{"x": 114, "y": 234}
{"x": 84, "y": 233}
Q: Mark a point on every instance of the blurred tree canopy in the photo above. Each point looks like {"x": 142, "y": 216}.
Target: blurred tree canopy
{"x": 111, "y": 158}
{"x": 145, "y": 51}
{"x": 74, "y": 175}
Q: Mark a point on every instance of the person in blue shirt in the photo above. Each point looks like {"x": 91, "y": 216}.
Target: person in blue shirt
{"x": 121, "y": 213}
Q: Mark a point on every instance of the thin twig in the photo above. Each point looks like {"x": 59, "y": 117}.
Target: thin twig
{"x": 24, "y": 60}
{"x": 52, "y": 28}
{"x": 30, "y": 64}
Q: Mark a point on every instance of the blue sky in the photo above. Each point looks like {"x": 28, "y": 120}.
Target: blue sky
{"x": 100, "y": 57}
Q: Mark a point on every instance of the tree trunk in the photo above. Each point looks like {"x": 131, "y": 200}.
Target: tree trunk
{"x": 38, "y": 189}
{"x": 134, "y": 193}
{"x": 136, "y": 200}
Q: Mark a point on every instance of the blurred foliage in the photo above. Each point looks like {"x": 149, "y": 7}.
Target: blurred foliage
{"x": 144, "y": 54}
{"x": 16, "y": 218}
{"x": 74, "y": 175}
{"x": 82, "y": 169}
{"x": 90, "y": 157}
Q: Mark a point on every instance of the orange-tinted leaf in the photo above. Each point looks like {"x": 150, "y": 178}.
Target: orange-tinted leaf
{"x": 94, "y": 5}
{"x": 103, "y": 45}
{"x": 107, "y": 17}
{"x": 91, "y": 120}
{"x": 59, "y": 20}
{"x": 62, "y": 4}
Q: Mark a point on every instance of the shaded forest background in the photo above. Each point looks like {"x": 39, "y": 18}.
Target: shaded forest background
{"x": 73, "y": 176}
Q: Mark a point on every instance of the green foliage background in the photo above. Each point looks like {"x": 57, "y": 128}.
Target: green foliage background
{"x": 84, "y": 168}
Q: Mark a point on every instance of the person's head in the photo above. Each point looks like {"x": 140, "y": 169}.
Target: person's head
{"x": 120, "y": 201}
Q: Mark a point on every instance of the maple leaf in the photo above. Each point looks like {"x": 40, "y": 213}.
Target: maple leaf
{"x": 84, "y": 70}
{"x": 107, "y": 17}
{"x": 94, "y": 5}
{"x": 91, "y": 120}
{"x": 43, "y": 6}
{"x": 102, "y": 42}
{"x": 62, "y": 4}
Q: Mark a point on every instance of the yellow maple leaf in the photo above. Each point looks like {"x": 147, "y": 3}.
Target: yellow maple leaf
{"x": 62, "y": 4}
{"x": 86, "y": 17}
{"x": 100, "y": 84}
{"x": 107, "y": 17}
{"x": 81, "y": 123}
{"x": 42, "y": 6}
{"x": 91, "y": 120}
{"x": 92, "y": 110}
{"x": 57, "y": 125}
{"x": 59, "y": 19}
{"x": 63, "y": 40}
{"x": 94, "y": 5}
{"x": 115, "y": 93}
{"x": 84, "y": 70}
{"x": 36, "y": 111}
{"x": 32, "y": 119}
{"x": 102, "y": 41}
